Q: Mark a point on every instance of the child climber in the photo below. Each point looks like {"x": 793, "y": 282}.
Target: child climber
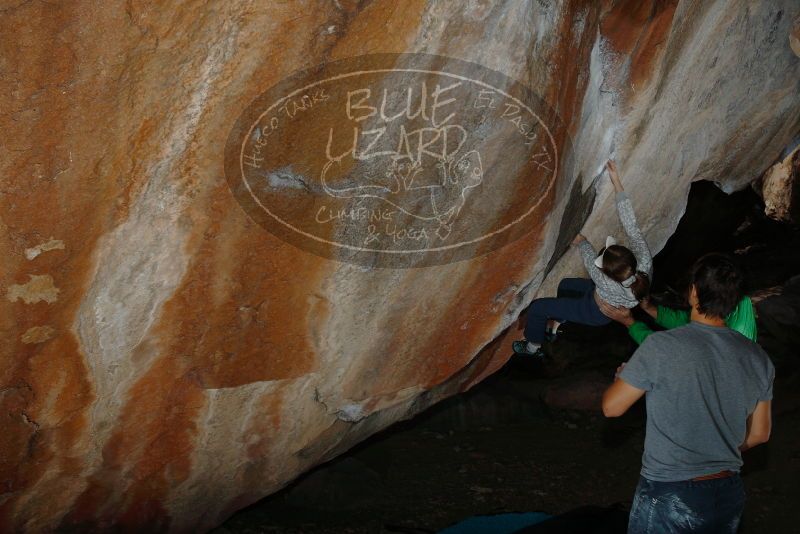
{"x": 619, "y": 276}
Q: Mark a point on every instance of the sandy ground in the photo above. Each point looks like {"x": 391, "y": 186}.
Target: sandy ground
{"x": 498, "y": 449}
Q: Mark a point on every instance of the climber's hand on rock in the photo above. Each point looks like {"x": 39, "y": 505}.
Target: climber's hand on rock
{"x": 619, "y": 314}
{"x": 578, "y": 239}
{"x": 614, "y": 174}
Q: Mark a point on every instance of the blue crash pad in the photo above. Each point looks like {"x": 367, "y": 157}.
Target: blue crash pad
{"x": 496, "y": 524}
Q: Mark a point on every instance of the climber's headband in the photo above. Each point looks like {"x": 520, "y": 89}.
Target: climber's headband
{"x": 628, "y": 282}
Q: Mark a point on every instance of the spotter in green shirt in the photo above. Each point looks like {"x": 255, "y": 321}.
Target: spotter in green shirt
{"x": 742, "y": 319}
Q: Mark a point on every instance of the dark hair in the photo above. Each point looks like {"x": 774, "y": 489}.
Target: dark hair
{"x": 620, "y": 264}
{"x": 719, "y": 283}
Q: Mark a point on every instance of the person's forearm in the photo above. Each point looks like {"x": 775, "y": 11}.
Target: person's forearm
{"x": 669, "y": 318}
{"x": 613, "y": 173}
{"x": 637, "y": 242}
{"x": 639, "y": 331}
{"x": 588, "y": 253}
{"x": 751, "y": 441}
{"x": 649, "y": 308}
{"x": 759, "y": 426}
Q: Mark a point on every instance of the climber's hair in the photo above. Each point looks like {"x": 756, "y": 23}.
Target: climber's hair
{"x": 719, "y": 283}
{"x": 619, "y": 263}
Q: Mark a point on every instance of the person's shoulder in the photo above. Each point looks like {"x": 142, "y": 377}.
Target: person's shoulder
{"x": 753, "y": 348}
{"x": 664, "y": 340}
{"x": 748, "y": 350}
{"x": 753, "y": 357}
{"x": 674, "y": 342}
{"x": 741, "y": 338}
{"x": 745, "y": 343}
{"x": 670, "y": 336}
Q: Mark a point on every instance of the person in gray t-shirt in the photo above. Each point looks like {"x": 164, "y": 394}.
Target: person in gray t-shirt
{"x": 708, "y": 391}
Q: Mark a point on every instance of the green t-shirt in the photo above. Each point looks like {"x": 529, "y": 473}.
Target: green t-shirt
{"x": 742, "y": 319}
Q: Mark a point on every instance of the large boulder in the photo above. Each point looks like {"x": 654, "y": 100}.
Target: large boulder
{"x": 173, "y": 354}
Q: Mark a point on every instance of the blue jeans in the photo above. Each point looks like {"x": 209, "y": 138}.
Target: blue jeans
{"x": 713, "y": 506}
{"x": 577, "y": 305}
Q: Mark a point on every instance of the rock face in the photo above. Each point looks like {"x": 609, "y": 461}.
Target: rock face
{"x": 168, "y": 360}
{"x": 780, "y": 187}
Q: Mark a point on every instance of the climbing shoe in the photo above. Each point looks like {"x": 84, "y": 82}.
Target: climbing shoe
{"x": 521, "y": 347}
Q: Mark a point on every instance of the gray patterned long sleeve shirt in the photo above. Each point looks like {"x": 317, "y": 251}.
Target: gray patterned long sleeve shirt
{"x": 609, "y": 289}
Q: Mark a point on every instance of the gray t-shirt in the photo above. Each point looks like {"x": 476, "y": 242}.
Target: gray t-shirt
{"x": 701, "y": 382}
